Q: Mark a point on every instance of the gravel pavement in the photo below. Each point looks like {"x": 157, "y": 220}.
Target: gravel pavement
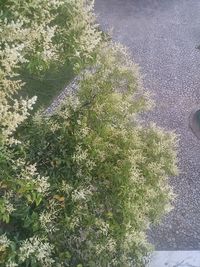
{"x": 58, "y": 100}
{"x": 162, "y": 36}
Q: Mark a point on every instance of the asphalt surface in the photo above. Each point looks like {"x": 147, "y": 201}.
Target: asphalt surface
{"x": 163, "y": 36}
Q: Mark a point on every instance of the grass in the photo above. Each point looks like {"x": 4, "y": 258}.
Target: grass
{"x": 47, "y": 87}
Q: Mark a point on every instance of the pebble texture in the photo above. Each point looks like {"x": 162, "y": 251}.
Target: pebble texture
{"x": 163, "y": 36}
{"x": 69, "y": 89}
{"x": 175, "y": 259}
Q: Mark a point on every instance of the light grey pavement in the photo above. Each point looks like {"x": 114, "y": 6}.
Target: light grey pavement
{"x": 162, "y": 36}
{"x": 175, "y": 259}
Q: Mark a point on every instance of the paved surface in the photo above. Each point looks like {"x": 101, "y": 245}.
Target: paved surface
{"x": 162, "y": 36}
{"x": 175, "y": 259}
{"x": 57, "y": 102}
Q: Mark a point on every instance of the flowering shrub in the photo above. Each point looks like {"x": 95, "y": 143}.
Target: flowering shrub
{"x": 81, "y": 187}
{"x": 92, "y": 178}
{"x": 49, "y": 32}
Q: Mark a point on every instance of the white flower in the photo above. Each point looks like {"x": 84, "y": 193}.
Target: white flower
{"x": 4, "y": 242}
{"x": 65, "y": 187}
{"x": 47, "y": 218}
{"x": 13, "y": 141}
{"x": 82, "y": 194}
{"x": 9, "y": 208}
{"x": 42, "y": 184}
{"x": 38, "y": 248}
{"x": 31, "y": 169}
{"x": 29, "y": 173}
{"x": 80, "y": 154}
{"x": 11, "y": 264}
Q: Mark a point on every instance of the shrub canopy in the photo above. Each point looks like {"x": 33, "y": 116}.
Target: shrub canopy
{"x": 80, "y": 187}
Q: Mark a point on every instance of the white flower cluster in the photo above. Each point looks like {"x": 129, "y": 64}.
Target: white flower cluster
{"x": 8, "y": 206}
{"x": 80, "y": 154}
{"x": 11, "y": 264}
{"x": 47, "y": 218}
{"x": 4, "y": 242}
{"x": 12, "y": 112}
{"x": 39, "y": 249}
{"x": 82, "y": 194}
{"x": 88, "y": 38}
{"x": 12, "y": 55}
{"x": 41, "y": 32}
{"x": 29, "y": 173}
{"x": 42, "y": 184}
{"x": 26, "y": 38}
{"x": 103, "y": 226}
{"x": 82, "y": 158}
{"x": 65, "y": 187}
{"x": 12, "y": 116}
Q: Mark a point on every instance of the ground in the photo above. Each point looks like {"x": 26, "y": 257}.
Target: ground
{"x": 163, "y": 36}
{"x": 47, "y": 87}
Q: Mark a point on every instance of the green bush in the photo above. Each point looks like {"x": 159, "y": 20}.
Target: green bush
{"x": 92, "y": 179}
{"x": 53, "y": 32}
{"x": 80, "y": 188}
{"x": 43, "y": 44}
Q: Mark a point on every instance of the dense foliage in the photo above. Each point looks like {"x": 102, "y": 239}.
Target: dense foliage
{"x": 81, "y": 187}
{"x": 50, "y": 32}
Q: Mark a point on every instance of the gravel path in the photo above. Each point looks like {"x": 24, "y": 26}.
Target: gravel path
{"x": 69, "y": 89}
{"x": 162, "y": 36}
